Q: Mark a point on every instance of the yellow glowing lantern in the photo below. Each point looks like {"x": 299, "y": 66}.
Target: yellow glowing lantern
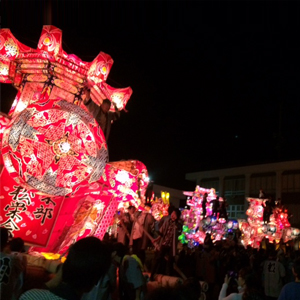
{"x": 51, "y": 256}
{"x": 47, "y": 41}
{"x": 165, "y": 197}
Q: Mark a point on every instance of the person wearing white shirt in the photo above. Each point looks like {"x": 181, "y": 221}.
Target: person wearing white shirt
{"x": 241, "y": 287}
{"x": 248, "y": 286}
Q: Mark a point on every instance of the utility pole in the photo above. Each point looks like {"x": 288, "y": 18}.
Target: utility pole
{"x": 48, "y": 13}
{"x": 279, "y": 133}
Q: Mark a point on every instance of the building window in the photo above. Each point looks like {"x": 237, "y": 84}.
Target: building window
{"x": 291, "y": 182}
{"x": 234, "y": 186}
{"x": 236, "y": 212}
{"x": 234, "y": 190}
{"x": 267, "y": 182}
{"x": 210, "y": 184}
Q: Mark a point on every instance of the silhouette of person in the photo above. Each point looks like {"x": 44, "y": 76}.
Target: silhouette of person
{"x": 204, "y": 201}
{"x": 102, "y": 113}
{"x": 216, "y": 206}
{"x": 223, "y": 210}
{"x": 267, "y": 211}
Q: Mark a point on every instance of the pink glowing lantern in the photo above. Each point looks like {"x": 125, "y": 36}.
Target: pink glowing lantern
{"x": 52, "y": 148}
{"x": 198, "y": 224}
{"x": 63, "y": 145}
{"x": 27, "y": 214}
{"x": 277, "y": 228}
{"x": 53, "y": 152}
{"x": 159, "y": 209}
{"x": 4, "y": 122}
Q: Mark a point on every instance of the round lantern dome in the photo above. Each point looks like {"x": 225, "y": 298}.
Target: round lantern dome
{"x": 51, "y": 148}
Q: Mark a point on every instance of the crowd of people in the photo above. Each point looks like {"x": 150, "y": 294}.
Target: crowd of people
{"x": 118, "y": 268}
{"x": 234, "y": 272}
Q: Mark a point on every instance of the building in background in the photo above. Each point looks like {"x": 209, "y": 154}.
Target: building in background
{"x": 176, "y": 197}
{"x": 280, "y": 180}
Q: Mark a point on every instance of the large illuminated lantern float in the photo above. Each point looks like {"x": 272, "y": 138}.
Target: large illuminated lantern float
{"x": 252, "y": 231}
{"x": 277, "y": 228}
{"x": 196, "y": 225}
{"x": 56, "y": 182}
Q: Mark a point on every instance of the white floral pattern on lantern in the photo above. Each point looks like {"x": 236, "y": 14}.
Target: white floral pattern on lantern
{"x": 11, "y": 47}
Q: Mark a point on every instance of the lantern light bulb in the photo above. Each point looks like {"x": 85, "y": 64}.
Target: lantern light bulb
{"x": 65, "y": 147}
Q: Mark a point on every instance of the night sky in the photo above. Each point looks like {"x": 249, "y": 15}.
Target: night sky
{"x": 215, "y": 84}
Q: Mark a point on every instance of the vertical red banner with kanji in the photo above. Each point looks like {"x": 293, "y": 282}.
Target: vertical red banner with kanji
{"x": 25, "y": 214}
{"x": 79, "y": 217}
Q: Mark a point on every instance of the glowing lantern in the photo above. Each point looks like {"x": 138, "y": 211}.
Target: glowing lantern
{"x": 55, "y": 147}
{"x": 289, "y": 233}
{"x": 185, "y": 228}
{"x": 207, "y": 221}
{"x": 159, "y": 209}
{"x": 51, "y": 256}
{"x": 249, "y": 212}
{"x": 62, "y": 143}
{"x": 4, "y": 122}
{"x": 272, "y": 228}
{"x": 165, "y": 197}
{"x": 181, "y": 238}
{"x": 214, "y": 221}
{"x": 52, "y": 146}
{"x": 122, "y": 176}
{"x": 295, "y": 232}
{"x": 222, "y": 220}
{"x": 264, "y": 228}
{"x": 230, "y": 224}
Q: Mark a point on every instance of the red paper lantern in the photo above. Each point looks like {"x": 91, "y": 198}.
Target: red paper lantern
{"x": 53, "y": 148}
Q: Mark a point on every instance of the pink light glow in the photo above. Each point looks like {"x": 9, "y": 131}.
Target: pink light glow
{"x": 53, "y": 151}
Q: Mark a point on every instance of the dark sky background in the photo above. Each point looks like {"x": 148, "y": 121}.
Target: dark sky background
{"x": 215, "y": 84}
